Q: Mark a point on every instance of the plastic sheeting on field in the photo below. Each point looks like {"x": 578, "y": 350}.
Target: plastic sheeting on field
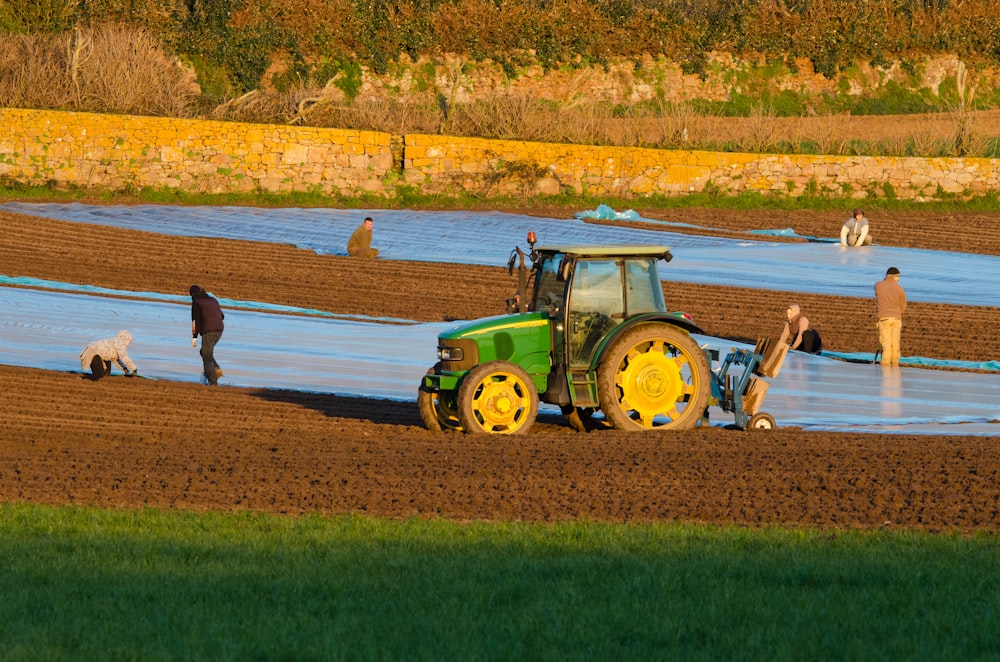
{"x": 487, "y": 237}
{"x": 346, "y": 357}
{"x": 24, "y": 281}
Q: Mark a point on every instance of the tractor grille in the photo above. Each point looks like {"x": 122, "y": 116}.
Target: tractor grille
{"x": 458, "y": 355}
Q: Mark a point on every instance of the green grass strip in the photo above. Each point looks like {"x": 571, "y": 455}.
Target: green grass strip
{"x": 80, "y": 583}
{"x": 408, "y": 197}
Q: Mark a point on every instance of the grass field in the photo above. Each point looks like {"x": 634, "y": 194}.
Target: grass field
{"x": 410, "y": 199}
{"x": 93, "y": 584}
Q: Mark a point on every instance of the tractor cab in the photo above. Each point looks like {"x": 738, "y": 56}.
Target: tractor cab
{"x": 591, "y": 290}
{"x": 591, "y": 294}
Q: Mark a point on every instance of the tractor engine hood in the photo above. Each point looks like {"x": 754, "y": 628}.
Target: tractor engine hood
{"x": 524, "y": 339}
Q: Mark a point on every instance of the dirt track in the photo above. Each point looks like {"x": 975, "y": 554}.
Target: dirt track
{"x": 129, "y": 443}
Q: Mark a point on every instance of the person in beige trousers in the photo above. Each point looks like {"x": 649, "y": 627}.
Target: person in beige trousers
{"x": 890, "y": 304}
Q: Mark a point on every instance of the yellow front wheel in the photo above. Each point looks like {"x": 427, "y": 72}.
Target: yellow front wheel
{"x": 497, "y": 397}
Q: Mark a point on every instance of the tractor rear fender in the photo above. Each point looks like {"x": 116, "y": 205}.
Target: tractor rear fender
{"x": 674, "y": 319}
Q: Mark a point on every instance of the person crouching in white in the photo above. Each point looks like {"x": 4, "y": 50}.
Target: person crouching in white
{"x": 855, "y": 231}
{"x": 99, "y": 355}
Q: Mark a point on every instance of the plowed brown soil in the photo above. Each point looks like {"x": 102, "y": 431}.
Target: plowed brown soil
{"x": 133, "y": 443}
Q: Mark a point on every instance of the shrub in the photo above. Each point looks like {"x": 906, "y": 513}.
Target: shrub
{"x": 108, "y": 69}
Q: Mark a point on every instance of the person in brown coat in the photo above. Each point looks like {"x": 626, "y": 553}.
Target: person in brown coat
{"x": 360, "y": 243}
{"x": 890, "y": 304}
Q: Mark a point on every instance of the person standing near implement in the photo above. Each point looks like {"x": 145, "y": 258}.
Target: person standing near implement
{"x": 206, "y": 320}
{"x": 890, "y": 304}
{"x": 360, "y": 243}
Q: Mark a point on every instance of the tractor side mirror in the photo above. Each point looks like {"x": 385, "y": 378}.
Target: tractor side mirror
{"x": 563, "y": 270}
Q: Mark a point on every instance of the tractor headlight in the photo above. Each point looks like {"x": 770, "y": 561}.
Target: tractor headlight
{"x": 450, "y": 353}
{"x": 457, "y": 354}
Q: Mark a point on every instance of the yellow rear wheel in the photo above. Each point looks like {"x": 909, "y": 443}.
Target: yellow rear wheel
{"x": 654, "y": 377}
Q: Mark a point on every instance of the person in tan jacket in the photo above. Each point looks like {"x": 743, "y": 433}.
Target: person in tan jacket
{"x": 360, "y": 243}
{"x": 890, "y": 304}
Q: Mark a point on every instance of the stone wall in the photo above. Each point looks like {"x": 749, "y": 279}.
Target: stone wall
{"x": 443, "y": 164}
{"x": 123, "y": 152}
{"x": 118, "y": 152}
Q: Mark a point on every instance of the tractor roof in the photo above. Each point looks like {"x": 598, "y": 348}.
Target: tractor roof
{"x": 611, "y": 250}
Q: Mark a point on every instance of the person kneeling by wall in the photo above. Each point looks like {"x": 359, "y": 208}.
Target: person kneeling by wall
{"x": 856, "y": 230}
{"x": 360, "y": 243}
{"x": 101, "y": 354}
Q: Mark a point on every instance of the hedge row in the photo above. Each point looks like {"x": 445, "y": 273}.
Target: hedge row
{"x": 238, "y": 39}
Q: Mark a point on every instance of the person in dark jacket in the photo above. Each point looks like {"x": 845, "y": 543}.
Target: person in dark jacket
{"x": 206, "y": 321}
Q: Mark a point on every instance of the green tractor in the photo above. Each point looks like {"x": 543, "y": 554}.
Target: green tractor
{"x": 588, "y": 331}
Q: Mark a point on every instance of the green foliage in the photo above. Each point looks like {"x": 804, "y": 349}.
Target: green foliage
{"x": 411, "y": 196}
{"x": 785, "y": 103}
{"x": 243, "y": 49}
{"x": 948, "y": 92}
{"x": 992, "y": 148}
{"x": 349, "y": 81}
{"x": 894, "y": 99}
{"x": 212, "y": 78}
{"x": 244, "y": 37}
{"x": 382, "y": 40}
{"x": 25, "y": 16}
{"x": 162, "y": 18}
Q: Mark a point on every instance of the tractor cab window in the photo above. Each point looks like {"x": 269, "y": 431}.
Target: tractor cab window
{"x": 550, "y": 289}
{"x": 596, "y": 306}
{"x": 643, "y": 291}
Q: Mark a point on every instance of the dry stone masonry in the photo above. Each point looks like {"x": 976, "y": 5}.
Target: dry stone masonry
{"x": 126, "y": 152}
